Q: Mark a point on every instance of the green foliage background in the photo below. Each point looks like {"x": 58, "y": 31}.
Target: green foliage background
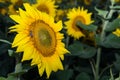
{"x": 81, "y": 64}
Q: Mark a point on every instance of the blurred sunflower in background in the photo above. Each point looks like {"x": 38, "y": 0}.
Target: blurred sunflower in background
{"x": 60, "y": 14}
{"x": 15, "y": 4}
{"x": 4, "y": 1}
{"x": 75, "y": 15}
{"x": 87, "y": 2}
{"x": 47, "y": 6}
{"x": 3, "y": 7}
{"x": 39, "y": 38}
{"x": 117, "y": 1}
{"x": 3, "y": 10}
{"x": 58, "y": 1}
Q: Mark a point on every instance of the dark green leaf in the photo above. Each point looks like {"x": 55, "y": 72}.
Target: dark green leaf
{"x": 64, "y": 75}
{"x": 3, "y": 48}
{"x": 112, "y": 41}
{"x": 11, "y": 78}
{"x": 83, "y": 76}
{"x": 105, "y": 78}
{"x": 82, "y": 50}
{"x": 18, "y": 70}
{"x": 97, "y": 39}
{"x": 113, "y": 25}
{"x": 87, "y": 27}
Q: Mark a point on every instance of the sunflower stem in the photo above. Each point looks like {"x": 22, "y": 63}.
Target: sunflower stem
{"x": 102, "y": 37}
{"x": 97, "y": 63}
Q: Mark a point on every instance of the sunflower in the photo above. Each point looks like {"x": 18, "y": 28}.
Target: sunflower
{"x": 117, "y": 1}
{"x": 117, "y": 32}
{"x": 12, "y": 10}
{"x": 13, "y": 7}
{"x": 39, "y": 38}
{"x": 60, "y": 14}
{"x": 87, "y": 2}
{"x": 75, "y": 15}
{"x": 3, "y": 11}
{"x": 46, "y": 6}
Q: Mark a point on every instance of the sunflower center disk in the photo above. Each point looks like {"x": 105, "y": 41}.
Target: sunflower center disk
{"x": 80, "y": 19}
{"x": 43, "y": 8}
{"x": 44, "y": 38}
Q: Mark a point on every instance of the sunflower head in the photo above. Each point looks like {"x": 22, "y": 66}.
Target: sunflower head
{"x": 12, "y": 10}
{"x": 15, "y": 4}
{"x": 75, "y": 15}
{"x": 87, "y": 2}
{"x": 3, "y": 11}
{"x": 47, "y": 6}
{"x": 117, "y": 1}
{"x": 39, "y": 38}
{"x": 60, "y": 14}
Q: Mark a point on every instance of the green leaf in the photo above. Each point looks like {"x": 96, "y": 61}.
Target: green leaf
{"x": 5, "y": 41}
{"x": 10, "y": 52}
{"x": 83, "y": 76}
{"x": 87, "y": 27}
{"x": 82, "y": 50}
{"x": 2, "y": 78}
{"x": 18, "y": 70}
{"x": 117, "y": 78}
{"x": 64, "y": 75}
{"x": 97, "y": 39}
{"x": 113, "y": 25}
{"x": 102, "y": 13}
{"x": 115, "y": 7}
{"x": 112, "y": 41}
{"x": 12, "y": 78}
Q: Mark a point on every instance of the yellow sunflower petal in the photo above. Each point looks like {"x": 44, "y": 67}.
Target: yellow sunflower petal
{"x": 16, "y": 18}
{"x": 18, "y": 39}
{"x": 28, "y": 53}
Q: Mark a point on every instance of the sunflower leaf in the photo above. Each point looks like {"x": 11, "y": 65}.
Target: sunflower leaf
{"x": 2, "y": 78}
{"x": 18, "y": 70}
{"x": 11, "y": 78}
{"x": 82, "y": 50}
{"x": 87, "y": 27}
{"x": 113, "y": 25}
{"x": 5, "y": 41}
{"x": 10, "y": 52}
{"x": 112, "y": 41}
{"x": 115, "y": 7}
{"x": 66, "y": 74}
{"x": 102, "y": 13}
{"x": 83, "y": 76}
{"x": 105, "y": 78}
